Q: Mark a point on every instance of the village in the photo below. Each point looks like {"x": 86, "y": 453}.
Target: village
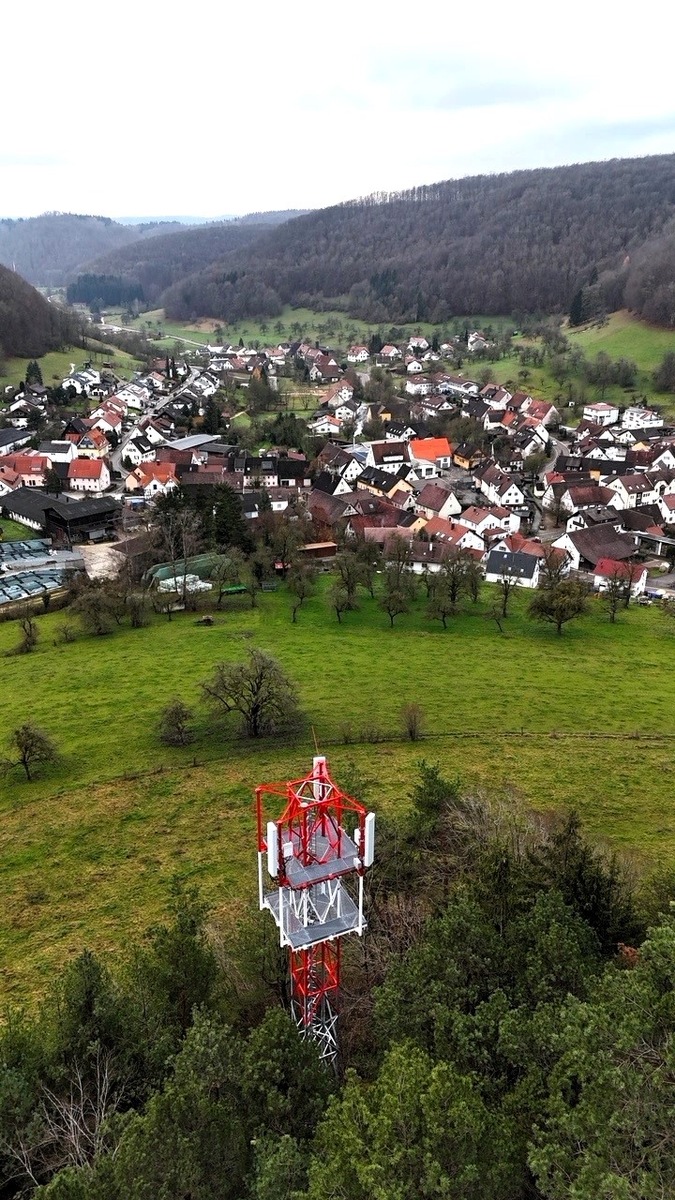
{"x": 600, "y": 496}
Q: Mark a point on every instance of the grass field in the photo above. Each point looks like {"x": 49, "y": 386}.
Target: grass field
{"x": 88, "y": 848}
{"x": 334, "y": 326}
{"x": 11, "y": 531}
{"x": 624, "y": 336}
{"x": 56, "y": 365}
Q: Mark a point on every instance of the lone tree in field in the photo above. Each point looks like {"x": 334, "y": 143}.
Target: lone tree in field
{"x": 559, "y": 604}
{"x": 259, "y": 690}
{"x": 29, "y": 747}
{"x": 174, "y": 724}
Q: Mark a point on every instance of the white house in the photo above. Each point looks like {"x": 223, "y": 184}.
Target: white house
{"x": 601, "y": 413}
{"x": 88, "y": 475}
{"x": 418, "y": 386}
{"x": 641, "y": 418}
{"x": 631, "y": 574}
{"x": 522, "y": 568}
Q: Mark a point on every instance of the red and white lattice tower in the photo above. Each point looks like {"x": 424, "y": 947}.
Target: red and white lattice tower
{"x": 315, "y": 854}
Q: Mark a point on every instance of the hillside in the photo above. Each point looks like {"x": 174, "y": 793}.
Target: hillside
{"x": 144, "y": 271}
{"x": 513, "y": 243}
{"x": 29, "y": 325}
{"x": 48, "y": 248}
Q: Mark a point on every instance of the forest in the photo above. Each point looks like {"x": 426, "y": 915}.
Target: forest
{"x": 519, "y": 243}
{"x": 29, "y": 325}
{"x": 145, "y": 271}
{"x": 506, "y": 1032}
{"x": 46, "y": 249}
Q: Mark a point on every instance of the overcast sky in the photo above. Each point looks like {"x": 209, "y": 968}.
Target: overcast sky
{"x": 139, "y": 108}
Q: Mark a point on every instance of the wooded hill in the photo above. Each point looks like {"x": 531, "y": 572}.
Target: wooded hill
{"x": 514, "y": 243}
{"x": 47, "y": 249}
{"x": 145, "y": 271}
{"x": 29, "y": 325}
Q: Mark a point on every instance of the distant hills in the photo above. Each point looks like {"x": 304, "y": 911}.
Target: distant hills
{"x": 29, "y": 325}
{"x": 144, "y": 271}
{"x": 47, "y": 249}
{"x": 50, "y": 250}
{"x": 524, "y": 242}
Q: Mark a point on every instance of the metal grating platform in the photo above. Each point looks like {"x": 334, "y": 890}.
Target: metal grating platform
{"x": 299, "y": 935}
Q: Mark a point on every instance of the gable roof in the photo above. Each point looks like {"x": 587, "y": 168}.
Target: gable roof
{"x": 602, "y": 541}
{"x": 609, "y": 567}
{"x": 514, "y": 564}
{"x": 430, "y": 448}
{"x": 85, "y": 468}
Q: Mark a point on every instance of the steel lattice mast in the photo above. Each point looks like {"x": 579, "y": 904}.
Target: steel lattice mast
{"x": 315, "y": 854}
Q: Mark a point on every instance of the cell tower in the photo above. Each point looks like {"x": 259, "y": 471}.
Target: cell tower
{"x": 316, "y": 854}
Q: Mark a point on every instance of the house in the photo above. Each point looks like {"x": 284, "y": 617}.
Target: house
{"x": 92, "y": 444}
{"x": 637, "y": 417}
{"x": 435, "y": 501}
{"x": 58, "y": 452}
{"x": 454, "y": 534}
{"x": 601, "y": 413}
{"x": 30, "y": 467}
{"x": 9, "y": 479}
{"x": 476, "y": 341}
{"x": 152, "y": 479}
{"x": 418, "y": 386}
{"x": 418, "y": 343}
{"x": 467, "y": 456}
{"x": 390, "y": 353}
{"x": 588, "y": 495}
{"x": 13, "y": 439}
{"x": 139, "y": 450}
{"x": 485, "y": 520}
{"x": 387, "y": 455}
{"x": 325, "y": 424}
{"x": 88, "y": 475}
{"x": 500, "y": 488}
{"x": 430, "y": 455}
{"x": 522, "y": 568}
{"x": 588, "y": 546}
{"x": 339, "y": 393}
{"x": 630, "y": 491}
{"x": 358, "y": 354}
{"x": 414, "y": 367}
{"x": 633, "y": 575}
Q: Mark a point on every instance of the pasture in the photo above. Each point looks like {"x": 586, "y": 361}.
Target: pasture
{"x": 87, "y": 849}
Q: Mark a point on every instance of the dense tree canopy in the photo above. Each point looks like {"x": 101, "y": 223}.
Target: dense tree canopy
{"x": 524, "y": 242}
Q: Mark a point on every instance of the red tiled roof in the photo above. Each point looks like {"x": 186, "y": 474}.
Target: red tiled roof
{"x": 85, "y": 468}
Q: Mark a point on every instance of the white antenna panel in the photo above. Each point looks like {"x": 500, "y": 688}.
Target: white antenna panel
{"x": 369, "y": 840}
{"x": 272, "y": 849}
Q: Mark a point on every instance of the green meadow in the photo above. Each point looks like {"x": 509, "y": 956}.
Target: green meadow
{"x": 55, "y": 366}
{"x": 624, "y": 336}
{"x": 586, "y": 720}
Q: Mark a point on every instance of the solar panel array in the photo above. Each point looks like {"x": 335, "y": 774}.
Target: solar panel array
{"x": 24, "y": 585}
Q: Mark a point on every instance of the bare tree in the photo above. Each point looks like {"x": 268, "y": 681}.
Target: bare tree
{"x": 31, "y": 746}
{"x": 338, "y": 598}
{"x": 552, "y": 567}
{"x": 29, "y": 634}
{"x": 350, "y": 572}
{"x": 258, "y": 689}
{"x": 505, "y": 586}
{"x": 68, "y": 1128}
{"x": 394, "y": 602}
{"x": 301, "y": 585}
{"x": 614, "y": 594}
{"x": 178, "y": 536}
{"x": 412, "y": 717}
{"x": 174, "y": 724}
